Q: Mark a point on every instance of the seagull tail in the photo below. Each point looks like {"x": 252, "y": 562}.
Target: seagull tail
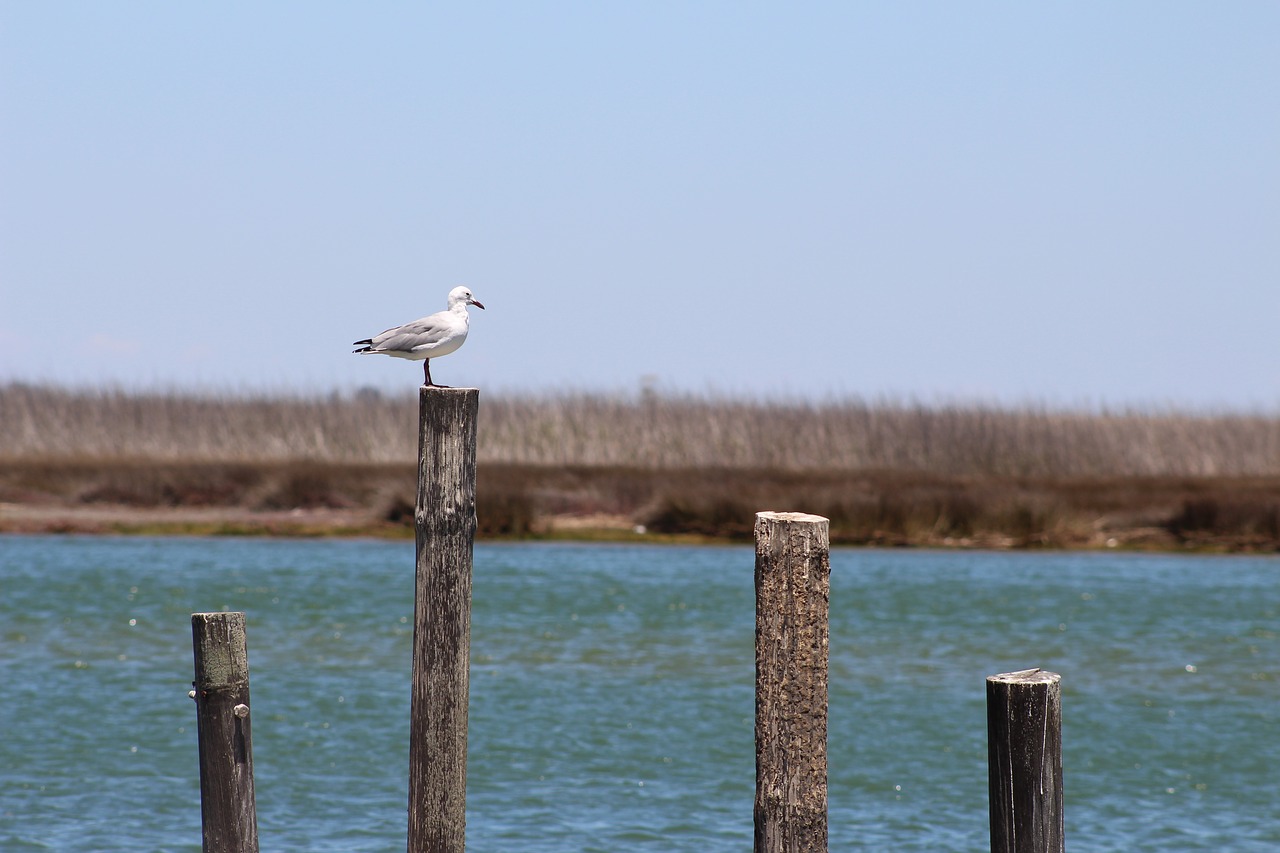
{"x": 368, "y": 348}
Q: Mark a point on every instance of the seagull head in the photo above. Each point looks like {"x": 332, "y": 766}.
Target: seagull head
{"x": 462, "y": 296}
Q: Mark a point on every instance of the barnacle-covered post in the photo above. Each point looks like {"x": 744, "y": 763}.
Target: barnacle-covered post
{"x": 793, "y": 589}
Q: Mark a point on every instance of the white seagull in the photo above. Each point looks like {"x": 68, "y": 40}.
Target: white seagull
{"x": 428, "y": 338}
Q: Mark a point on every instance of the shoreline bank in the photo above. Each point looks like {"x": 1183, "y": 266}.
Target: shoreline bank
{"x": 875, "y": 508}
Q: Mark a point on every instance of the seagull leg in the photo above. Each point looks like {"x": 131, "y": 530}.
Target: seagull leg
{"x": 426, "y": 372}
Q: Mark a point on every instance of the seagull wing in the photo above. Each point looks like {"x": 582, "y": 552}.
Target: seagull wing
{"x": 410, "y": 336}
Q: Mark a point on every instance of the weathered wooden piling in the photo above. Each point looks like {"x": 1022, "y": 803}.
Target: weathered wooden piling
{"x": 1024, "y": 761}
{"x": 445, "y": 523}
{"x": 793, "y": 574}
{"x": 221, "y": 692}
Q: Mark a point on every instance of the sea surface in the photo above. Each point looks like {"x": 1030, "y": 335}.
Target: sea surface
{"x": 612, "y": 694}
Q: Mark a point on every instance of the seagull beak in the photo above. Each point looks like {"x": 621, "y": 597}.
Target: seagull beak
{"x": 475, "y": 303}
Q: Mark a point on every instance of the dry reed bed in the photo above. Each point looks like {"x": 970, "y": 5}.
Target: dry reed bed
{"x": 883, "y": 473}
{"x": 677, "y": 432}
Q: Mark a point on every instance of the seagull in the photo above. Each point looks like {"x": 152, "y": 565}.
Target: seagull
{"x": 428, "y": 338}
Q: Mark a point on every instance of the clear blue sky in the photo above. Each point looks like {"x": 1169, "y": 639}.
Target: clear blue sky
{"x": 1064, "y": 203}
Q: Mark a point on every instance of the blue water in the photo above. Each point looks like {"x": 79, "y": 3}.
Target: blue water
{"x": 611, "y": 694}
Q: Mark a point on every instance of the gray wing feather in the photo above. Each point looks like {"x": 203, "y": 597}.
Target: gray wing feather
{"x": 418, "y": 333}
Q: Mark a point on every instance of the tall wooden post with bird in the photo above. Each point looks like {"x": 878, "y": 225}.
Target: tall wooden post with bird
{"x": 445, "y": 525}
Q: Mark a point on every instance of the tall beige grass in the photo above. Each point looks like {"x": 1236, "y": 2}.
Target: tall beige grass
{"x": 651, "y": 431}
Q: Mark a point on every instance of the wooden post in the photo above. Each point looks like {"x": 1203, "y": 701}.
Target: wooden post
{"x": 227, "y": 810}
{"x": 793, "y": 574}
{"x": 1024, "y": 761}
{"x": 445, "y": 522}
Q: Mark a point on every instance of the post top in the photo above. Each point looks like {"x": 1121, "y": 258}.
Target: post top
{"x": 234, "y": 617}
{"x": 446, "y": 389}
{"x": 802, "y": 517}
{"x": 1026, "y": 676}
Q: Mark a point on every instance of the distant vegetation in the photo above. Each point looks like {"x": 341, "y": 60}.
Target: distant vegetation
{"x": 882, "y": 471}
{"x": 643, "y": 432}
